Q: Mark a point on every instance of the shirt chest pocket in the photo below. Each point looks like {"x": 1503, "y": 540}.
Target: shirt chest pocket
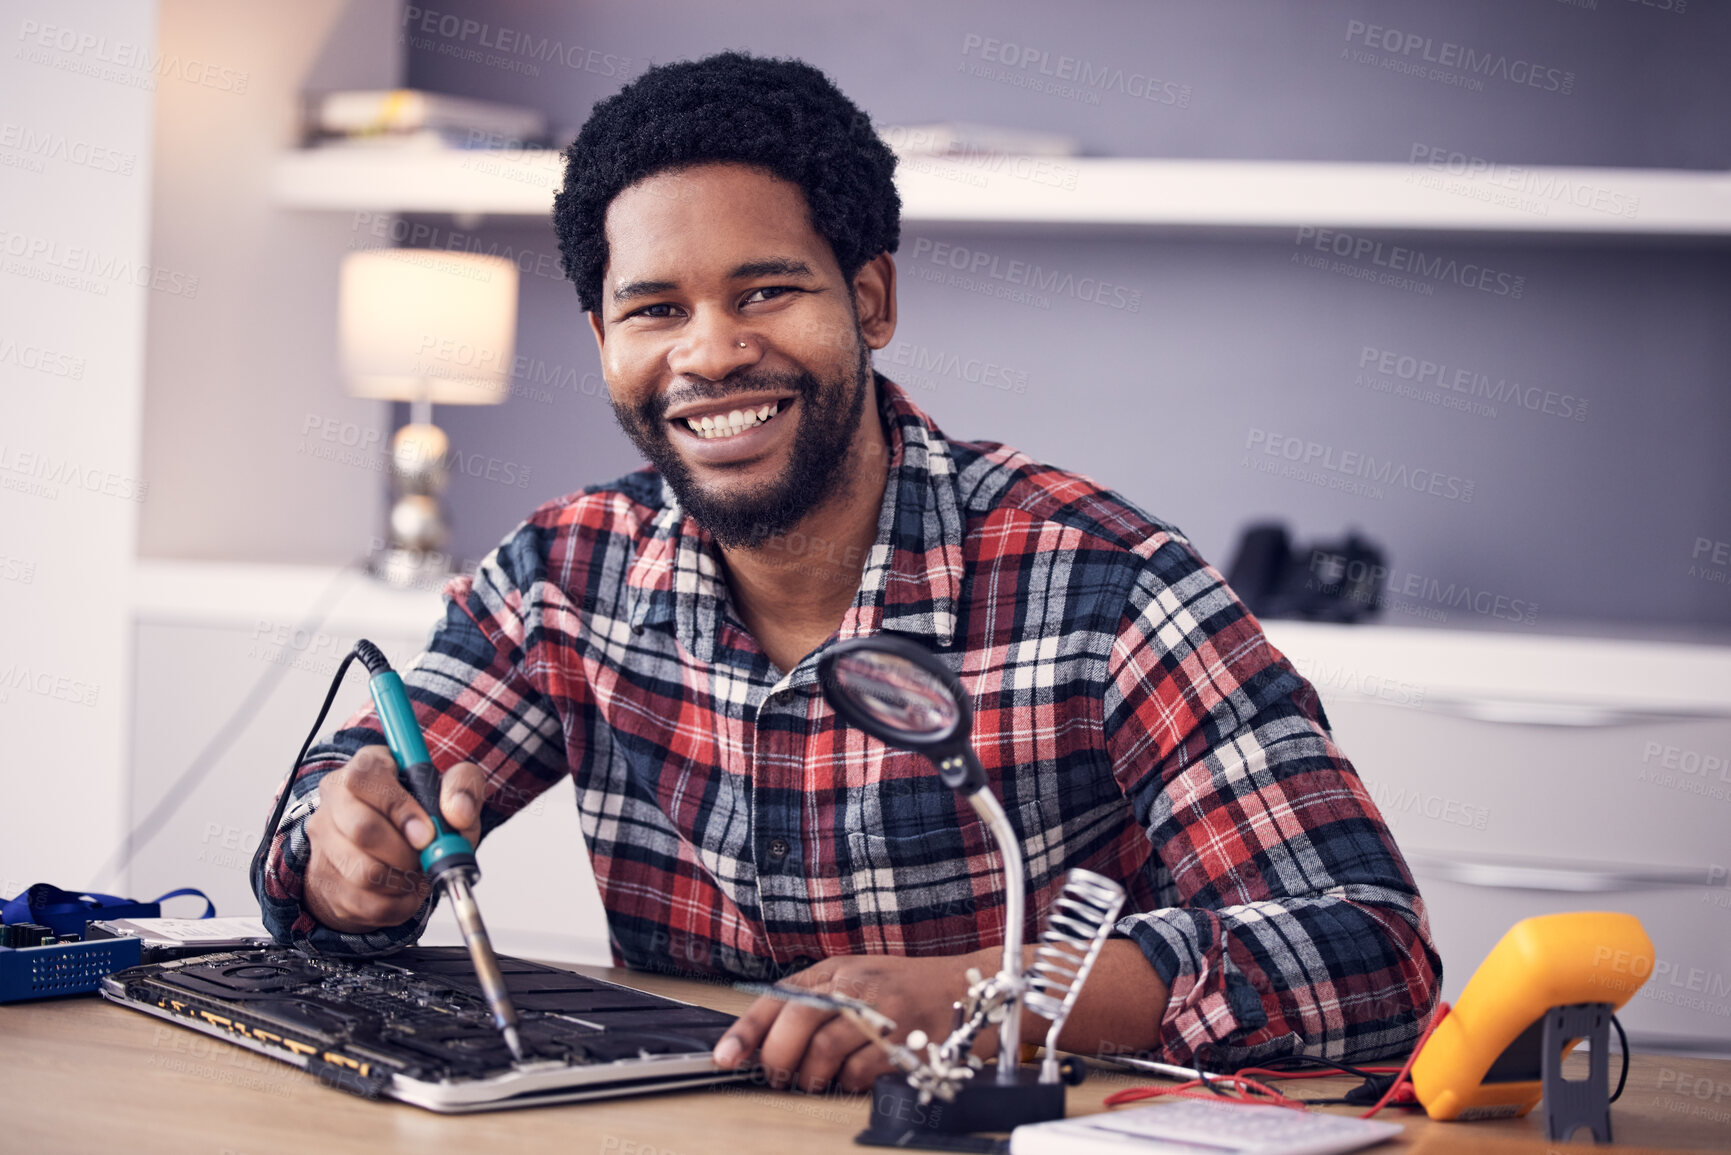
{"x": 929, "y": 893}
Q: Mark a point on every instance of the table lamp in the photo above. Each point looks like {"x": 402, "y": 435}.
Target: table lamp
{"x": 424, "y": 326}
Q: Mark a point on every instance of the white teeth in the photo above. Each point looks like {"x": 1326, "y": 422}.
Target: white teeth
{"x": 737, "y": 421}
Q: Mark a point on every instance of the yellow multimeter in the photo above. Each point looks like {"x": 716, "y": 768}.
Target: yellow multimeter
{"x": 1487, "y": 1059}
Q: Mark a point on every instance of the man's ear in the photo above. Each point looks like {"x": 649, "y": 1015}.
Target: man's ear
{"x": 600, "y": 333}
{"x": 874, "y": 294}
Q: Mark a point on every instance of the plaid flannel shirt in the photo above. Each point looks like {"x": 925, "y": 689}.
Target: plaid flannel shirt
{"x": 1128, "y": 710}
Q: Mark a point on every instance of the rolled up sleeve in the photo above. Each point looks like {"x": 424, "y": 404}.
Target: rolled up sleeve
{"x": 1294, "y": 925}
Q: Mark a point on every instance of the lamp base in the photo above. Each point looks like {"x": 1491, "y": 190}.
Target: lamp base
{"x": 899, "y": 1119}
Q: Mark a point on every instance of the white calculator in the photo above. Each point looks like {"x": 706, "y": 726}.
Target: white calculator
{"x": 1198, "y": 1127}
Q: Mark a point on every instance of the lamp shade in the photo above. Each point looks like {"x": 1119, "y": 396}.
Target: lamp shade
{"x": 428, "y": 325}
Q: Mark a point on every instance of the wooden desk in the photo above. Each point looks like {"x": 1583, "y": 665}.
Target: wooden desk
{"x": 82, "y": 1074}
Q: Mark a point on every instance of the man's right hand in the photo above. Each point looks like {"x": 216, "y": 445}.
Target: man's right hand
{"x": 364, "y": 868}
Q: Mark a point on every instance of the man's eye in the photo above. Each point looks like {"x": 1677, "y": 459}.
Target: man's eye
{"x": 768, "y": 293}
{"x": 659, "y": 310}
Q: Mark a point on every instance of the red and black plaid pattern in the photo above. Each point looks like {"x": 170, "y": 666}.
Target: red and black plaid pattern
{"x": 1128, "y": 710}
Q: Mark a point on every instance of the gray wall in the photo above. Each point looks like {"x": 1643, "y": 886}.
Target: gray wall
{"x": 236, "y": 377}
{"x": 1590, "y": 513}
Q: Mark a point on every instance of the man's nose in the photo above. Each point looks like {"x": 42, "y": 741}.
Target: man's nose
{"x": 713, "y": 346}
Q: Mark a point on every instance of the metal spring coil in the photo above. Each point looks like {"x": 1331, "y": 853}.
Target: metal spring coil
{"x": 1076, "y": 927}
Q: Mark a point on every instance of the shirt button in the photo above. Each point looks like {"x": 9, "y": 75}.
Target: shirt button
{"x": 778, "y": 848}
{"x": 782, "y": 697}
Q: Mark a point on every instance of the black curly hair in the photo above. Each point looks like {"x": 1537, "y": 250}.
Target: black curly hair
{"x": 782, "y": 116}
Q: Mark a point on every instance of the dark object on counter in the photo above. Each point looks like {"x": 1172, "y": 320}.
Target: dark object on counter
{"x": 22, "y": 934}
{"x": 1322, "y": 582}
{"x": 900, "y": 1119}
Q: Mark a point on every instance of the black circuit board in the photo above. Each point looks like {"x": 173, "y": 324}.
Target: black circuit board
{"x": 418, "y": 1013}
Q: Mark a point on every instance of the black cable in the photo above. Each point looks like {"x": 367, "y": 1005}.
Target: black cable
{"x": 1623, "y": 1042}
{"x": 1211, "y": 1082}
{"x": 269, "y": 834}
{"x": 1364, "y": 1095}
{"x": 1299, "y": 1062}
{"x": 372, "y": 657}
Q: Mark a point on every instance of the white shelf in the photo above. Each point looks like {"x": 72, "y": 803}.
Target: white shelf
{"x": 418, "y": 181}
{"x": 1096, "y": 191}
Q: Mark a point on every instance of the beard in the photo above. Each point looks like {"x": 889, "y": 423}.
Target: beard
{"x": 818, "y": 464}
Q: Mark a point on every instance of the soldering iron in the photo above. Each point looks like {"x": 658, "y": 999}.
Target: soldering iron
{"x": 448, "y": 860}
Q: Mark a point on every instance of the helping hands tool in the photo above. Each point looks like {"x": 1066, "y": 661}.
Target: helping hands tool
{"x": 908, "y": 698}
{"x": 448, "y": 860}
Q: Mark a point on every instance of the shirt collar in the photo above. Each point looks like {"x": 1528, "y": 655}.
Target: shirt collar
{"x": 913, "y": 574}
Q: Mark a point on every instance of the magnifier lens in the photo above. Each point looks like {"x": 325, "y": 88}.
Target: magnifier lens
{"x": 897, "y": 695}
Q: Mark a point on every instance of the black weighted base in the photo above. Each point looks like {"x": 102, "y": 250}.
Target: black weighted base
{"x": 899, "y": 1119}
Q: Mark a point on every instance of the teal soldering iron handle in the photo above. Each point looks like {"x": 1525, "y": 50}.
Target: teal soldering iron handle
{"x": 448, "y": 850}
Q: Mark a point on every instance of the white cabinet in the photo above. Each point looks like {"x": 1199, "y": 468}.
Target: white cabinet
{"x": 237, "y": 659}
{"x": 1530, "y": 775}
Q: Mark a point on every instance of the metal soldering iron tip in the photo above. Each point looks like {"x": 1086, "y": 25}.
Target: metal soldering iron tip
{"x": 486, "y": 963}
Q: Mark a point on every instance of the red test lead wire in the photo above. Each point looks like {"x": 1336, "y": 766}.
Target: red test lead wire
{"x": 1399, "y": 1091}
{"x": 1188, "y": 1090}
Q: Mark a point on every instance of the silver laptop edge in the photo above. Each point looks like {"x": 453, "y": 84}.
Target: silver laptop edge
{"x": 555, "y": 1084}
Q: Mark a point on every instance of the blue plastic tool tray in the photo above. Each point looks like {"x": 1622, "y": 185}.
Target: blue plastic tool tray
{"x": 67, "y": 968}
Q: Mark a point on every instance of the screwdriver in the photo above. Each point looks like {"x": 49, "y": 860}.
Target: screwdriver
{"x": 448, "y": 860}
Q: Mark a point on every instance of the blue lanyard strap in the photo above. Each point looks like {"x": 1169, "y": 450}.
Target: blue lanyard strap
{"x": 209, "y": 906}
{"x": 52, "y": 906}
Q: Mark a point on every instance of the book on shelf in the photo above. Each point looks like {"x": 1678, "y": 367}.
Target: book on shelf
{"x": 422, "y": 119}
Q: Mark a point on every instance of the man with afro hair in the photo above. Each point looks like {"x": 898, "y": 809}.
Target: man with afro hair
{"x": 729, "y": 224}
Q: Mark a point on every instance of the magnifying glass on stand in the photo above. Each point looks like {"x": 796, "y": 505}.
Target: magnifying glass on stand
{"x": 903, "y": 695}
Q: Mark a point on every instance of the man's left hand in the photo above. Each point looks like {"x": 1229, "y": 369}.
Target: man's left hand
{"x": 811, "y": 1048}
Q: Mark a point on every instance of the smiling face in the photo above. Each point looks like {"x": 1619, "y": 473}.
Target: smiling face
{"x": 736, "y": 357}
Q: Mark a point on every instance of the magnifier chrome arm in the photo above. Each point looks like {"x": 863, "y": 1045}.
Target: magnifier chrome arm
{"x": 986, "y": 805}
